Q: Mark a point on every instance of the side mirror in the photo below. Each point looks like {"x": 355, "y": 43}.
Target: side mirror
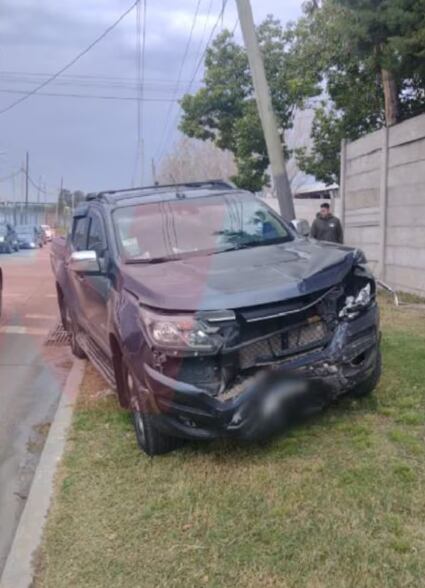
{"x": 84, "y": 262}
{"x": 302, "y": 226}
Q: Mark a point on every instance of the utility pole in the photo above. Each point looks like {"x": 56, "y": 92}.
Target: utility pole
{"x": 27, "y": 171}
{"x": 57, "y": 203}
{"x": 155, "y": 181}
{"x": 265, "y": 110}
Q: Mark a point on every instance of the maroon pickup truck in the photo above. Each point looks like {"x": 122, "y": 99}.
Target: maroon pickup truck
{"x": 210, "y": 314}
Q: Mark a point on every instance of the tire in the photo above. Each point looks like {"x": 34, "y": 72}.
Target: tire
{"x": 149, "y": 438}
{"x": 368, "y": 386}
{"x": 73, "y": 329}
{"x": 16, "y": 248}
{"x": 62, "y": 309}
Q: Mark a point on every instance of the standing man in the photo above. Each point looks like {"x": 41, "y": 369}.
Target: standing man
{"x": 326, "y": 226}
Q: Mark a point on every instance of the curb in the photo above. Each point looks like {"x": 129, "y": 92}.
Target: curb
{"x": 18, "y": 571}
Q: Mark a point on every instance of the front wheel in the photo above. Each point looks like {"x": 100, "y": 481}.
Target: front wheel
{"x": 368, "y": 386}
{"x": 73, "y": 329}
{"x": 149, "y": 438}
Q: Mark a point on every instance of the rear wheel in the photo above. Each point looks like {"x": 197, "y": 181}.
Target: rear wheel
{"x": 149, "y": 438}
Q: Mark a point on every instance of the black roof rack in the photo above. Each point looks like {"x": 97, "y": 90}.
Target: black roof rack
{"x": 208, "y": 184}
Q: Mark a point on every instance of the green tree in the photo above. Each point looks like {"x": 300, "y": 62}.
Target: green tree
{"x": 370, "y": 56}
{"x": 224, "y": 109}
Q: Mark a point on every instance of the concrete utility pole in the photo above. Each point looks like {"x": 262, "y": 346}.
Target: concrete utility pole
{"x": 154, "y": 172}
{"x": 265, "y": 109}
{"x": 27, "y": 171}
{"x": 57, "y": 202}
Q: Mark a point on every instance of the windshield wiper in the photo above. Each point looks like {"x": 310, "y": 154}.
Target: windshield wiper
{"x": 163, "y": 259}
{"x": 249, "y": 245}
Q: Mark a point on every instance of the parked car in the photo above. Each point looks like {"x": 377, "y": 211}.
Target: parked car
{"x": 214, "y": 316}
{"x": 8, "y": 239}
{"x": 48, "y": 232}
{"x": 29, "y": 237}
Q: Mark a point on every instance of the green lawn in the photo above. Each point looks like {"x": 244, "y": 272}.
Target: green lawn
{"x": 337, "y": 502}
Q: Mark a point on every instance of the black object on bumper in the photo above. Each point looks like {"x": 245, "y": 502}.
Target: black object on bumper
{"x": 299, "y": 385}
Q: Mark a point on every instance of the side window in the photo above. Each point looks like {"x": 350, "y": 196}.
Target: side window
{"x": 79, "y": 234}
{"x": 96, "y": 241}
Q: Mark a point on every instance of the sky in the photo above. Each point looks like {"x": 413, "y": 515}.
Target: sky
{"x": 92, "y": 143}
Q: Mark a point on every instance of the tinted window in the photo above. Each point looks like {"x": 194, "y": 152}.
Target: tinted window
{"x": 197, "y": 225}
{"x": 96, "y": 240}
{"x": 79, "y": 234}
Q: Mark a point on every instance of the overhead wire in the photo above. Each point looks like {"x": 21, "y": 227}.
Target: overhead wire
{"x": 10, "y": 176}
{"x": 199, "y": 63}
{"x": 93, "y": 96}
{"x": 72, "y": 62}
{"x": 140, "y": 58}
{"x": 83, "y": 80}
{"x": 180, "y": 72}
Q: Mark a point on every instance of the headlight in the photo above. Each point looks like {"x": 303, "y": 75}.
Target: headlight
{"x": 1, "y": 239}
{"x": 178, "y": 332}
{"x": 355, "y": 304}
{"x": 32, "y": 244}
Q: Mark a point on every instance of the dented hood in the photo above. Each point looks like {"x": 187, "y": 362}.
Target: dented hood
{"x": 237, "y": 279}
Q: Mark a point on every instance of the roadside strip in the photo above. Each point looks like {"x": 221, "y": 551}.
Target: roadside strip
{"x": 23, "y": 330}
{"x": 18, "y": 570}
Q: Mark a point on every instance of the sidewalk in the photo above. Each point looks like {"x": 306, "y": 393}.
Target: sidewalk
{"x": 18, "y": 571}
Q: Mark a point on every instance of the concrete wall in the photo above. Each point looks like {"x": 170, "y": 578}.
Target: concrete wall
{"x": 383, "y": 202}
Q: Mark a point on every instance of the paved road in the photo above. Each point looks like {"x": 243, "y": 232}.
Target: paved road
{"x": 31, "y": 377}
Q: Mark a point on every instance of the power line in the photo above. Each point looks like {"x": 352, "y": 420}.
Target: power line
{"x": 10, "y": 176}
{"x": 83, "y": 77}
{"x": 163, "y": 88}
{"x": 93, "y": 96}
{"x": 140, "y": 53}
{"x": 72, "y": 62}
{"x": 200, "y": 61}
{"x": 142, "y": 122}
{"x": 182, "y": 63}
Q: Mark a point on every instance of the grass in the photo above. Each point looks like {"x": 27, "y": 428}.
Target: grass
{"x": 337, "y": 502}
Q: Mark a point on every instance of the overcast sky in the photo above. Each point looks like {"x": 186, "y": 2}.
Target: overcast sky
{"x": 92, "y": 142}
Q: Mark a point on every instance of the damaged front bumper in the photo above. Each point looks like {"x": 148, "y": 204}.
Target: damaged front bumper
{"x": 263, "y": 403}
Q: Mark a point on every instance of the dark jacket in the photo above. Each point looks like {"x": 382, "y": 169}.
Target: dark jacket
{"x": 327, "y": 229}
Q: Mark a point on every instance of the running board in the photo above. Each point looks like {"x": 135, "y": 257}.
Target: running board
{"x": 98, "y": 358}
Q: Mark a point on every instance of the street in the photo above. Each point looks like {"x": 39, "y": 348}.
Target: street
{"x": 31, "y": 377}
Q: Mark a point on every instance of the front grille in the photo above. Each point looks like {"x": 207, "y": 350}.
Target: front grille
{"x": 282, "y": 344}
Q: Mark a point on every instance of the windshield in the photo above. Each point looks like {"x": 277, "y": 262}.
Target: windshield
{"x": 24, "y": 229}
{"x": 172, "y": 229}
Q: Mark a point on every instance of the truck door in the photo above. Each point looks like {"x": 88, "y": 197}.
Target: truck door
{"x": 95, "y": 289}
{"x": 73, "y": 290}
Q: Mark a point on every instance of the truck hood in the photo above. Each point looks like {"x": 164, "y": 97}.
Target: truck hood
{"x": 242, "y": 278}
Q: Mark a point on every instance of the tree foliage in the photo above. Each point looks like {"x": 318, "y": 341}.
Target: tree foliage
{"x": 370, "y": 56}
{"x": 224, "y": 109}
{"x": 364, "y": 58}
